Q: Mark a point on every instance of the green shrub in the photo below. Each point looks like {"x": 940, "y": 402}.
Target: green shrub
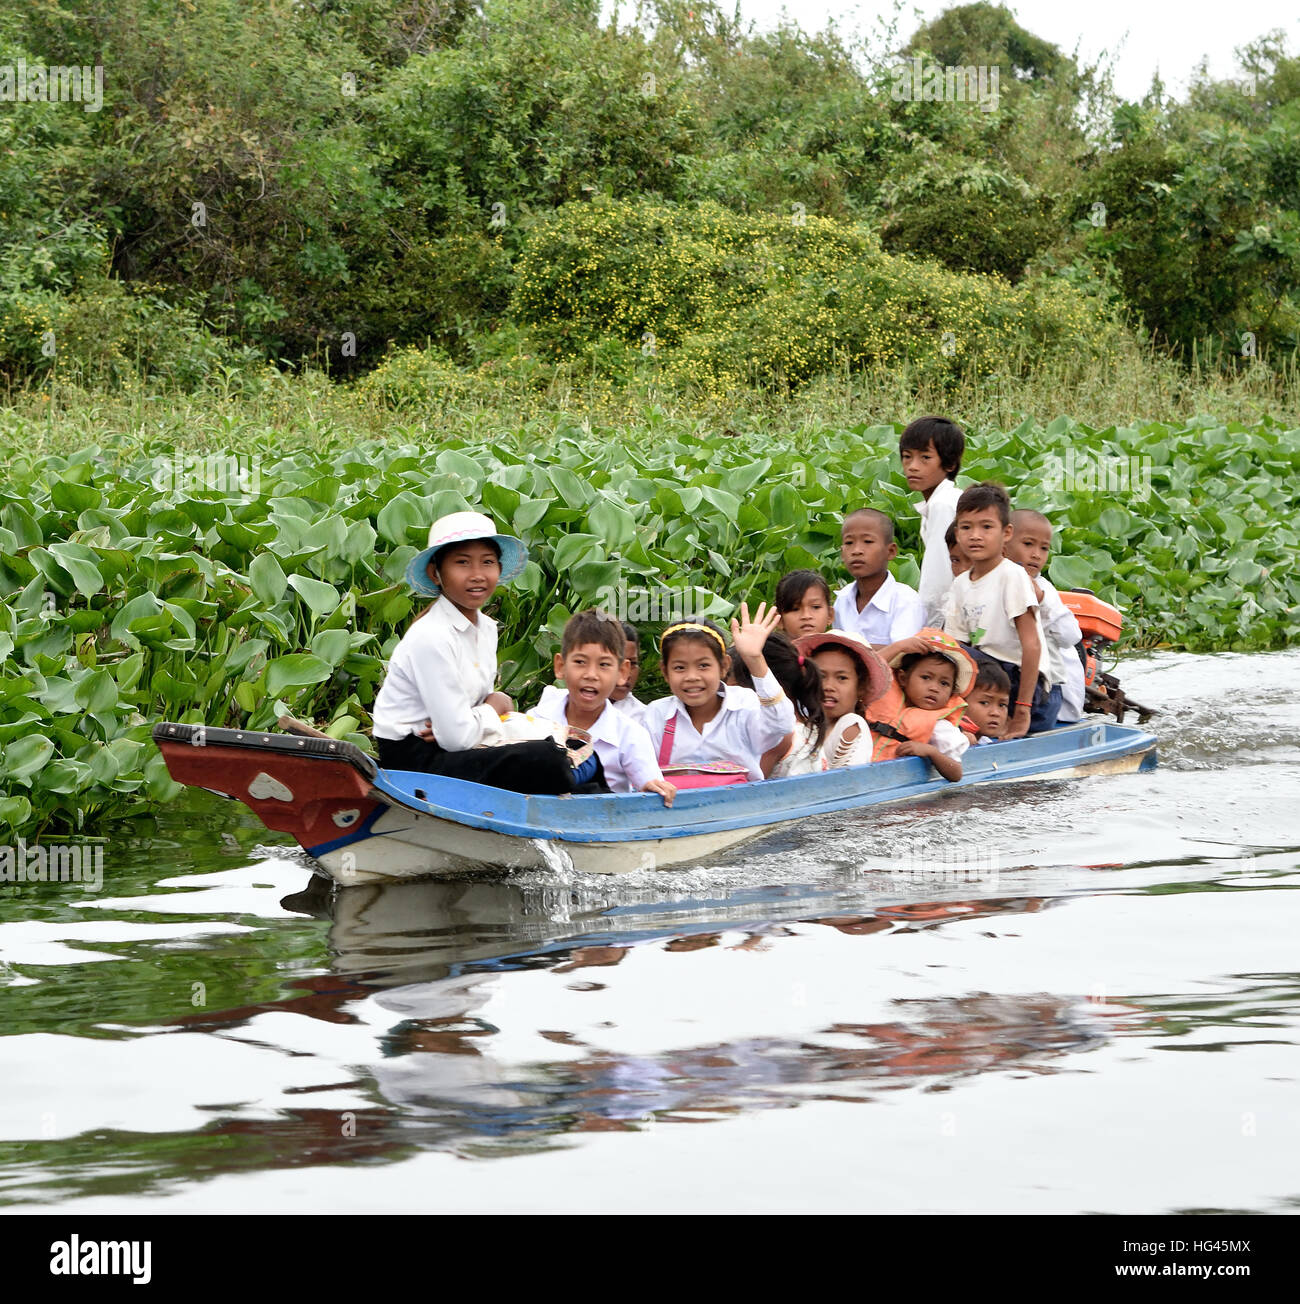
{"x": 720, "y": 299}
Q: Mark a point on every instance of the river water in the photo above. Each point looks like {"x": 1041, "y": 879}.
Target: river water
{"x": 1065, "y": 996}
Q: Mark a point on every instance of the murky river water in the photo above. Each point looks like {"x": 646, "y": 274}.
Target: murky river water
{"x": 1061, "y": 996}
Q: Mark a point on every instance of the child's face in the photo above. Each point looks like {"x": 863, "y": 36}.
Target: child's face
{"x": 863, "y": 549}
{"x": 922, "y": 469}
{"x": 987, "y": 708}
{"x": 811, "y": 616}
{"x": 929, "y": 683}
{"x": 467, "y": 573}
{"x": 981, "y": 535}
{"x": 958, "y": 562}
{"x": 633, "y": 669}
{"x": 1029, "y": 545}
{"x": 693, "y": 671}
{"x": 841, "y": 687}
{"x": 591, "y": 673}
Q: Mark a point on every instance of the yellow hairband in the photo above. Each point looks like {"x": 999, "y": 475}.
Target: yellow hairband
{"x": 695, "y": 629}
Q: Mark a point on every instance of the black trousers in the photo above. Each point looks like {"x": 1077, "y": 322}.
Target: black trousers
{"x": 540, "y": 767}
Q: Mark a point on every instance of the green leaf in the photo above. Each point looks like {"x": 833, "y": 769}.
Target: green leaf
{"x": 96, "y": 691}
{"x": 322, "y": 598}
{"x": 295, "y": 671}
{"x": 24, "y": 756}
{"x": 267, "y": 578}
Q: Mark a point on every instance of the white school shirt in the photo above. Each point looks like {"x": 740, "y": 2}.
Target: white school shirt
{"x": 804, "y": 756}
{"x": 622, "y": 744}
{"x": 741, "y": 732}
{"x": 937, "y": 513}
{"x": 949, "y": 739}
{"x": 839, "y": 755}
{"x": 629, "y": 706}
{"x": 982, "y": 612}
{"x": 893, "y": 612}
{"x": 1064, "y": 635}
{"x": 440, "y": 671}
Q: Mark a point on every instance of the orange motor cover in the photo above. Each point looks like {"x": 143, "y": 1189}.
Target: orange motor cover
{"x": 1096, "y": 618}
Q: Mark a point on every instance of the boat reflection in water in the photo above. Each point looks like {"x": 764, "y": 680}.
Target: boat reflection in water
{"x": 444, "y": 965}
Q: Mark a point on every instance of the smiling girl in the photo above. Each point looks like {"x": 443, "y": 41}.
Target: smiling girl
{"x": 710, "y": 721}
{"x": 441, "y": 674}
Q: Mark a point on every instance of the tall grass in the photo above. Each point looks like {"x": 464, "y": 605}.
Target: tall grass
{"x": 309, "y": 410}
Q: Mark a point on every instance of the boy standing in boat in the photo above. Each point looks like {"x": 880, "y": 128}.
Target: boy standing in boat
{"x": 993, "y": 607}
{"x": 931, "y": 450}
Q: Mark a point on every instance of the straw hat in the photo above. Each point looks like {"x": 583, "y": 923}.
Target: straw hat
{"x": 944, "y": 645}
{"x": 462, "y": 527}
{"x": 878, "y": 676}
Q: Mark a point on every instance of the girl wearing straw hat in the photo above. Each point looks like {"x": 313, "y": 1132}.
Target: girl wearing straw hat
{"x": 444, "y": 668}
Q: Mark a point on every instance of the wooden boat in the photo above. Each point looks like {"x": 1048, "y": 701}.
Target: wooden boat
{"x": 366, "y": 825}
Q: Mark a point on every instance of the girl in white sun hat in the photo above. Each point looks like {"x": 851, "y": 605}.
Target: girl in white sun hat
{"x": 441, "y": 676}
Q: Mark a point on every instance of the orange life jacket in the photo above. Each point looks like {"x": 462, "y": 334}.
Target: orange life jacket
{"x": 912, "y": 722}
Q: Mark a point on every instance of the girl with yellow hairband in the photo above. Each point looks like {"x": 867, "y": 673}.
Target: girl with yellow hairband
{"x": 706, "y": 720}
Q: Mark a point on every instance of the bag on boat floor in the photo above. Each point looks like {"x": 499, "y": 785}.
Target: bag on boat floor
{"x": 701, "y": 774}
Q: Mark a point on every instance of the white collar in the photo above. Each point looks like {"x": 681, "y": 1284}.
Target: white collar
{"x": 944, "y": 489}
{"x": 608, "y": 723}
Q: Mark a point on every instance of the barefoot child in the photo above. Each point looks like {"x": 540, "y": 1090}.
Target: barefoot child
{"x": 852, "y": 675}
{"x": 798, "y": 675}
{"x": 592, "y": 661}
{"x": 931, "y": 450}
{"x": 876, "y": 606}
{"x": 705, "y": 721}
{"x": 994, "y": 609}
{"x": 919, "y": 714}
{"x": 441, "y": 673}
{"x": 804, "y": 600}
{"x": 1031, "y": 542}
{"x": 988, "y": 703}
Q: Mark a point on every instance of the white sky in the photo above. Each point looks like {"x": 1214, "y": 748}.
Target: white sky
{"x": 1141, "y": 37}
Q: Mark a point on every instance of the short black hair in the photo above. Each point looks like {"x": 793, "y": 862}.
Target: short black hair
{"x": 792, "y": 587}
{"x": 594, "y": 626}
{"x": 991, "y": 675}
{"x": 950, "y": 536}
{"x": 980, "y": 497}
{"x": 882, "y": 518}
{"x": 631, "y": 632}
{"x": 946, "y": 436}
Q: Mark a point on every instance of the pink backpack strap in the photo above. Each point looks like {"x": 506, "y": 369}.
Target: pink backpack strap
{"x": 666, "y": 746}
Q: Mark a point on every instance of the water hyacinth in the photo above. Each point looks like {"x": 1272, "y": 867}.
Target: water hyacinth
{"x": 228, "y": 589}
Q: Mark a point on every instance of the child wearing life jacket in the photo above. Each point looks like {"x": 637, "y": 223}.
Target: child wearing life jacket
{"x": 437, "y": 704}
{"x": 919, "y": 714}
{"x": 706, "y": 721}
{"x": 799, "y": 676}
{"x": 1030, "y": 544}
{"x": 852, "y": 675}
{"x": 988, "y": 703}
{"x": 804, "y": 600}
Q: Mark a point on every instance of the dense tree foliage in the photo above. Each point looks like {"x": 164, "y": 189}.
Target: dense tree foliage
{"x": 338, "y": 179}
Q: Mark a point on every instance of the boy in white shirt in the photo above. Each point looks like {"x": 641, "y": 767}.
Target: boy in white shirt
{"x": 876, "y": 606}
{"x": 1030, "y": 544}
{"x": 993, "y": 608}
{"x": 591, "y": 662}
{"x": 931, "y": 450}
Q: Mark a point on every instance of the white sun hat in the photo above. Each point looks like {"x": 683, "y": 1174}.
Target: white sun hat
{"x": 462, "y": 527}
